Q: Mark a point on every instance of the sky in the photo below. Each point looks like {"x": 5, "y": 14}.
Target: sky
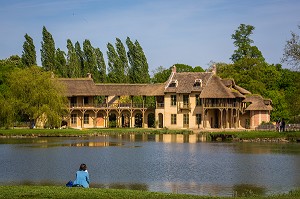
{"x": 192, "y": 32}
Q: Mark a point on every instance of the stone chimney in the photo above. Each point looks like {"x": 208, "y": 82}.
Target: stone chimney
{"x": 174, "y": 69}
{"x": 214, "y": 69}
{"x": 89, "y": 75}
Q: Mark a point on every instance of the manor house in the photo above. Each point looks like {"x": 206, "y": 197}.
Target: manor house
{"x": 191, "y": 100}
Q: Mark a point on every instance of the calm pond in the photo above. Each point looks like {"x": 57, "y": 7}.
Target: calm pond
{"x": 161, "y": 163}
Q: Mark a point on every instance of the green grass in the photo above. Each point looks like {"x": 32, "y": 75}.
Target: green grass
{"x": 11, "y": 192}
{"x": 248, "y": 135}
{"x": 86, "y": 132}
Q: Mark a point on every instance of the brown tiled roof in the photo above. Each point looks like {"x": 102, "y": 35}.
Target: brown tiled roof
{"x": 186, "y": 81}
{"x": 257, "y": 103}
{"x": 216, "y": 89}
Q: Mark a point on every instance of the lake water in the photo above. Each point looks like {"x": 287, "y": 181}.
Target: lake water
{"x": 161, "y": 163}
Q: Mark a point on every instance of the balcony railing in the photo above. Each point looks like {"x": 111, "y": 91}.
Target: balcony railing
{"x": 222, "y": 105}
{"x": 183, "y": 105}
{"x": 113, "y": 105}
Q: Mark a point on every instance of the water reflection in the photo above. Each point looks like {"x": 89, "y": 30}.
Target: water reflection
{"x": 165, "y": 163}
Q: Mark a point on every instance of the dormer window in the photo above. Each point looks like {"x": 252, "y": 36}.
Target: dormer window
{"x": 173, "y": 83}
{"x": 198, "y": 83}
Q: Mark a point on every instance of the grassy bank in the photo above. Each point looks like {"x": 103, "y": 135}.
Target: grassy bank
{"x": 36, "y": 192}
{"x": 258, "y": 135}
{"x": 86, "y": 132}
{"x": 229, "y": 135}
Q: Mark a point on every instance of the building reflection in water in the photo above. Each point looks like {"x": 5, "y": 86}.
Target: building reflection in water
{"x": 180, "y": 138}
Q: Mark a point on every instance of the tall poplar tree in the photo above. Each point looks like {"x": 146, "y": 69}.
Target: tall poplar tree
{"x": 90, "y": 65}
{"x": 123, "y": 57}
{"x": 138, "y": 72}
{"x": 60, "y": 63}
{"x": 80, "y": 56}
{"x": 115, "y": 68}
{"x": 29, "y": 53}
{"x": 101, "y": 75}
{"x": 48, "y": 51}
{"x": 73, "y": 61}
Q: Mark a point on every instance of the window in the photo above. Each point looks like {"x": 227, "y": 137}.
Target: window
{"x": 86, "y": 100}
{"x": 198, "y": 119}
{"x": 73, "y": 119}
{"x": 198, "y": 100}
{"x": 185, "y": 119}
{"x": 173, "y": 100}
{"x": 73, "y": 101}
{"x": 198, "y": 83}
{"x": 173, "y": 119}
{"x": 173, "y": 83}
{"x": 86, "y": 119}
{"x": 185, "y": 100}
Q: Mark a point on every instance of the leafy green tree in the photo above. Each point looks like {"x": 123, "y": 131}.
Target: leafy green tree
{"x": 101, "y": 66}
{"x": 29, "y": 53}
{"x": 60, "y": 63}
{"x": 73, "y": 61}
{"x": 48, "y": 51}
{"x": 291, "y": 53}
{"x": 138, "y": 72}
{"x": 116, "y": 73}
{"x": 198, "y": 69}
{"x": 243, "y": 43}
{"x": 160, "y": 75}
{"x": 7, "y": 110}
{"x": 35, "y": 94}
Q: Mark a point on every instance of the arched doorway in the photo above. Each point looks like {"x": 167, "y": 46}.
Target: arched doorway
{"x": 112, "y": 120}
{"x": 151, "y": 120}
{"x": 160, "y": 120}
{"x": 138, "y": 122}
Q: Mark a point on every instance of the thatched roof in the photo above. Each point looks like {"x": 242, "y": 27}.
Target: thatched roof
{"x": 87, "y": 87}
{"x": 78, "y": 86}
{"x": 130, "y": 89}
{"x": 216, "y": 89}
{"x": 257, "y": 103}
{"x": 242, "y": 90}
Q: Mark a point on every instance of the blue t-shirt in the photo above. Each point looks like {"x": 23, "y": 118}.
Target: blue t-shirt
{"x": 82, "y": 178}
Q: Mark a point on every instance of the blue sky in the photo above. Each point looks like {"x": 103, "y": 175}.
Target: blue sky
{"x": 192, "y": 32}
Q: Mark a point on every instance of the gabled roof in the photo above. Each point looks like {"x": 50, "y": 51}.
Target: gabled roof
{"x": 78, "y": 86}
{"x": 257, "y": 103}
{"x": 216, "y": 89}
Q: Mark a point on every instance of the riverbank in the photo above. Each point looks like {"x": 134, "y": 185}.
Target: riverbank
{"x": 240, "y": 136}
{"x": 37, "y": 192}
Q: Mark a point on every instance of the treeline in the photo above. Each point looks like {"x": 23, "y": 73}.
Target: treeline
{"x": 250, "y": 71}
{"x": 24, "y": 96}
{"x": 124, "y": 66}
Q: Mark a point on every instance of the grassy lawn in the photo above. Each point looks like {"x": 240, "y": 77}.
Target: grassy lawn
{"x": 17, "y": 192}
